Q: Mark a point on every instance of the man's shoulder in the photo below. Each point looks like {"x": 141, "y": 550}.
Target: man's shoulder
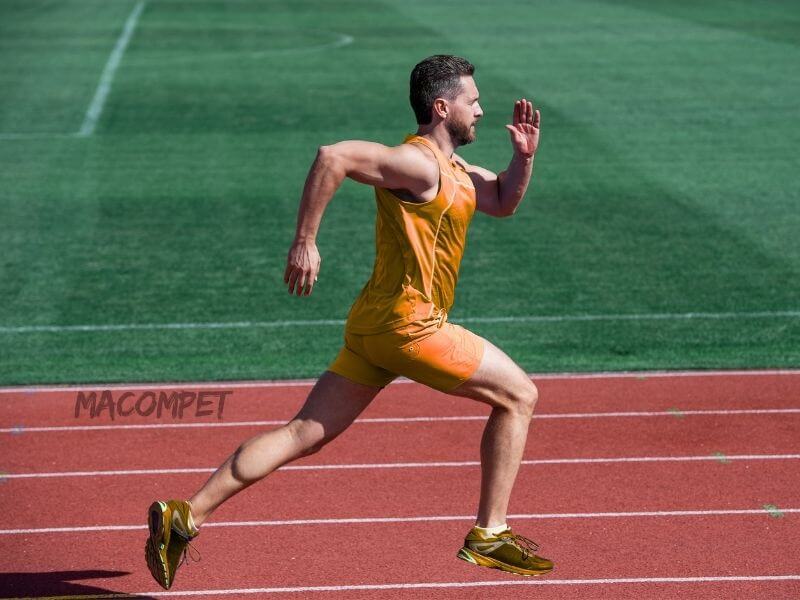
{"x": 419, "y": 159}
{"x": 460, "y": 161}
{"x": 414, "y": 150}
{"x": 473, "y": 170}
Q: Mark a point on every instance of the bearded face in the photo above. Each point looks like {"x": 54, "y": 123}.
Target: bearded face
{"x": 462, "y": 132}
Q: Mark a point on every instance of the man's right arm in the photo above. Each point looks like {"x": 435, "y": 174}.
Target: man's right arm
{"x": 399, "y": 167}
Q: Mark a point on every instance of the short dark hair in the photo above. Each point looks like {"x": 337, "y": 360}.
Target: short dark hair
{"x": 437, "y": 76}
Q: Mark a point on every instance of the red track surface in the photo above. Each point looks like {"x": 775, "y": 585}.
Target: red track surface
{"x": 726, "y": 461}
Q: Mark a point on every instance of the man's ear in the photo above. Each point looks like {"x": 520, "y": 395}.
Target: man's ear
{"x": 440, "y": 108}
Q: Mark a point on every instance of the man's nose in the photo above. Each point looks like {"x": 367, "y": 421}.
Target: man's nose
{"x": 478, "y": 111}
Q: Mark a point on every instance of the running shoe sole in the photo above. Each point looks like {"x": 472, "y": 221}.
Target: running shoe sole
{"x": 158, "y": 522}
{"x": 486, "y": 561}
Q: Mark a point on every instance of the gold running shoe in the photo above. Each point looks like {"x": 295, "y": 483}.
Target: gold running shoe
{"x": 171, "y": 530}
{"x": 507, "y": 552}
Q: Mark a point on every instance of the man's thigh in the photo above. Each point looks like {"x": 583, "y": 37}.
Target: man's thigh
{"x": 497, "y": 379}
{"x": 334, "y": 403}
{"x": 441, "y": 357}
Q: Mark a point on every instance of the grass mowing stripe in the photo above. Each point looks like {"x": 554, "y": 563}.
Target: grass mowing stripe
{"x": 35, "y": 136}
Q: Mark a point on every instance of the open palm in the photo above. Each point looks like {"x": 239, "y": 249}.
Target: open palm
{"x": 525, "y": 130}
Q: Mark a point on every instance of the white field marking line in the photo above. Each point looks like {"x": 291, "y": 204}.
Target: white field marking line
{"x": 791, "y": 314}
{"x": 373, "y": 520}
{"x": 429, "y": 585}
{"x": 411, "y": 465}
{"x": 664, "y": 413}
{"x": 107, "y": 77}
{"x": 257, "y": 384}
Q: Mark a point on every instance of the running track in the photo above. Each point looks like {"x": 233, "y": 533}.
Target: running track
{"x": 638, "y": 486}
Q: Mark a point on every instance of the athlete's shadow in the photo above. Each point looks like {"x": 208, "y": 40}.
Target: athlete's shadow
{"x": 60, "y": 583}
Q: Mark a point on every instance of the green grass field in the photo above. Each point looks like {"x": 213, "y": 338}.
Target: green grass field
{"x": 666, "y": 182}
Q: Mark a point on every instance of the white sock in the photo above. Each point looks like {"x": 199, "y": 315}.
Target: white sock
{"x": 491, "y": 531}
{"x": 190, "y": 522}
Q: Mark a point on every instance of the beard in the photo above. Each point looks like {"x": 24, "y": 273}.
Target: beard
{"x": 460, "y": 133}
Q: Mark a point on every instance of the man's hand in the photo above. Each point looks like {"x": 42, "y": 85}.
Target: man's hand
{"x": 302, "y": 267}
{"x": 525, "y": 130}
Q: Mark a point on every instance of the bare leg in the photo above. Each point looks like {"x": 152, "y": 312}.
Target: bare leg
{"x": 501, "y": 383}
{"x": 330, "y": 408}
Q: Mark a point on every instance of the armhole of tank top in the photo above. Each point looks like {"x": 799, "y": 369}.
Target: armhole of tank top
{"x": 438, "y": 189}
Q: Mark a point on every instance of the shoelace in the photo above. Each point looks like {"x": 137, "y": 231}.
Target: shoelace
{"x": 186, "y": 551}
{"x": 527, "y": 546}
{"x": 187, "y": 555}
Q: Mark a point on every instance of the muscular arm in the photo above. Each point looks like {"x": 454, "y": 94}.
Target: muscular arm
{"x": 400, "y": 167}
{"x": 500, "y": 195}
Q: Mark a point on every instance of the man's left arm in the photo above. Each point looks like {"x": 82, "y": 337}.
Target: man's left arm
{"x": 499, "y": 195}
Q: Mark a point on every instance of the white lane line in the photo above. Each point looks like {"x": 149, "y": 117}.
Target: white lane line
{"x": 212, "y": 424}
{"x": 107, "y": 77}
{"x": 372, "y": 520}
{"x": 666, "y": 374}
{"x": 233, "y": 385}
{"x": 120, "y": 387}
{"x": 430, "y": 585}
{"x": 258, "y": 384}
{"x": 411, "y": 465}
{"x": 781, "y": 314}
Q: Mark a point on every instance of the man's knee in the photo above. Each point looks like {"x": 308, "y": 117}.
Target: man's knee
{"x": 522, "y": 398}
{"x": 309, "y": 436}
{"x": 313, "y": 449}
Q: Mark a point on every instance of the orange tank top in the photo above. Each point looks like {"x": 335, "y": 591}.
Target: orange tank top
{"x": 418, "y": 250}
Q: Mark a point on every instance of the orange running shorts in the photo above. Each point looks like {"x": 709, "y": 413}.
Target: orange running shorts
{"x": 435, "y": 352}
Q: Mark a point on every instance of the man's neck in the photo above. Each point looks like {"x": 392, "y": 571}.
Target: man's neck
{"x": 439, "y": 136}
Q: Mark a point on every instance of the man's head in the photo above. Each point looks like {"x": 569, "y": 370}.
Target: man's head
{"x": 442, "y": 90}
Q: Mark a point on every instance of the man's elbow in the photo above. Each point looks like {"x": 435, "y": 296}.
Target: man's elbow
{"x": 506, "y": 209}
{"x": 326, "y": 154}
{"x": 330, "y": 158}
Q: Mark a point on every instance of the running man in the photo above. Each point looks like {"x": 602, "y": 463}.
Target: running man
{"x": 426, "y": 196}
